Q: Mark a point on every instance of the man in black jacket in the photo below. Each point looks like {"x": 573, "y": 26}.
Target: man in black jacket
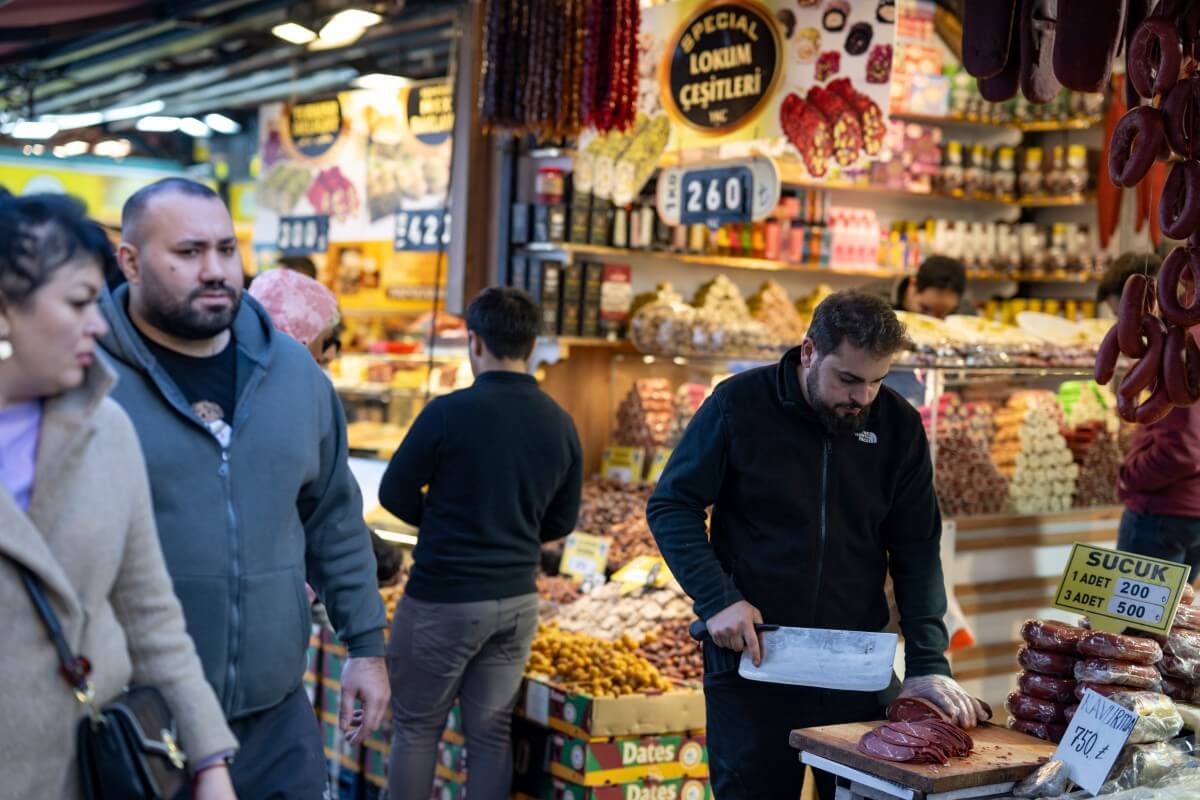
{"x": 504, "y": 469}
{"x": 819, "y": 481}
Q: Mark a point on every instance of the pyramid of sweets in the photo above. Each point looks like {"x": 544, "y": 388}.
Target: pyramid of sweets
{"x": 688, "y": 398}
{"x": 772, "y": 307}
{"x": 965, "y": 477}
{"x": 1098, "y": 456}
{"x": 1029, "y": 449}
{"x": 645, "y": 415}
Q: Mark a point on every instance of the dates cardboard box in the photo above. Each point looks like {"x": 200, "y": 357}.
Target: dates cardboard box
{"x": 627, "y": 759}
{"x": 584, "y": 717}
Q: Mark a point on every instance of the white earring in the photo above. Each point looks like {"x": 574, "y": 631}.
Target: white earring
{"x": 6, "y": 349}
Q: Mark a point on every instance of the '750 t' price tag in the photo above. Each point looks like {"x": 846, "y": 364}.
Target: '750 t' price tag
{"x": 427, "y": 229}
{"x": 1094, "y": 739}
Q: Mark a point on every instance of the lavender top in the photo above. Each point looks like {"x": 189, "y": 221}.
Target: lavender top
{"x": 19, "y": 426}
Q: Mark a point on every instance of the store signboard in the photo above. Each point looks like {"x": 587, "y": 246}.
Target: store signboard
{"x": 717, "y": 73}
{"x": 424, "y": 231}
{"x": 585, "y": 556}
{"x": 1119, "y": 590}
{"x": 301, "y": 236}
{"x": 717, "y": 192}
{"x": 1094, "y": 739}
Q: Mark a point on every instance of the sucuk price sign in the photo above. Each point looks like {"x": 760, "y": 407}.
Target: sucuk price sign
{"x": 300, "y": 236}
{"x": 1120, "y": 590}
{"x": 424, "y": 230}
{"x": 1094, "y": 739}
{"x": 585, "y": 556}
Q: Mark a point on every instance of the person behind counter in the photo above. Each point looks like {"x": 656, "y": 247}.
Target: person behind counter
{"x": 1159, "y": 482}
{"x": 820, "y": 483}
{"x": 937, "y": 290}
{"x": 75, "y": 517}
{"x": 504, "y": 471}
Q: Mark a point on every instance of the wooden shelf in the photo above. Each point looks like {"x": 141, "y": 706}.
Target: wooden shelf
{"x": 1031, "y": 277}
{"x": 1066, "y": 201}
{"x": 1053, "y": 126}
{"x": 1036, "y": 126}
{"x": 731, "y": 262}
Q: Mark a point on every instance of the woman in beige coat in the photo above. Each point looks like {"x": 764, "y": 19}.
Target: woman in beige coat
{"x": 75, "y": 511}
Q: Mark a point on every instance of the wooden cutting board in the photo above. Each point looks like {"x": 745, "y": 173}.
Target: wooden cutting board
{"x": 1000, "y": 756}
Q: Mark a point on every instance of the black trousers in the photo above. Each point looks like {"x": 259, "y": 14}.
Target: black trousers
{"x": 280, "y": 754}
{"x": 749, "y": 723}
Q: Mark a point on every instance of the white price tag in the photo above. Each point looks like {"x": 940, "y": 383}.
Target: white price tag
{"x": 537, "y": 702}
{"x": 1094, "y": 739}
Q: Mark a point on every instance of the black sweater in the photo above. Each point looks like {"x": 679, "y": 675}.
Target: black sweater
{"x": 504, "y": 469}
{"x": 805, "y": 525}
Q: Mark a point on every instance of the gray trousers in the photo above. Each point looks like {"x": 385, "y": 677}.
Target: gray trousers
{"x": 475, "y": 652}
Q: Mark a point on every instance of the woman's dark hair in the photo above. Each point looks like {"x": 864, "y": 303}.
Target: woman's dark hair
{"x": 39, "y": 234}
{"x": 942, "y": 272}
{"x": 507, "y": 321}
{"x": 865, "y": 320}
{"x": 1121, "y": 270}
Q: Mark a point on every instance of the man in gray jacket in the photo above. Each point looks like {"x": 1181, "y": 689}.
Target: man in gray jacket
{"x": 245, "y": 444}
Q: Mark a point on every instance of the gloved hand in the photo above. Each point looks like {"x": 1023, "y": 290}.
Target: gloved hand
{"x": 964, "y": 710}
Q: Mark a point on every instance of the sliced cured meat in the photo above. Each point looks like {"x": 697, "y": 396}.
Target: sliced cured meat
{"x": 1047, "y": 663}
{"x": 893, "y": 736}
{"x": 1099, "y": 644}
{"x": 870, "y": 744}
{"x": 913, "y": 709}
{"x": 1052, "y": 636}
{"x": 1047, "y": 687}
{"x": 1119, "y": 673}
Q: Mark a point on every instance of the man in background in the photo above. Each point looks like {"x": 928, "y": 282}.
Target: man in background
{"x": 937, "y": 290}
{"x": 503, "y": 467}
{"x": 245, "y": 445}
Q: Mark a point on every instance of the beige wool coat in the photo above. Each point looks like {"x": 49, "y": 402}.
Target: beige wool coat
{"x": 90, "y": 538}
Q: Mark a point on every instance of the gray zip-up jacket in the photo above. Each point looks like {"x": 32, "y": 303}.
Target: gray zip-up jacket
{"x": 242, "y": 526}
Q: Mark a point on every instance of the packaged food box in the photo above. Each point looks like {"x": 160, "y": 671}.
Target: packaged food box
{"x": 645, "y": 789}
{"x": 584, "y": 717}
{"x": 627, "y": 759}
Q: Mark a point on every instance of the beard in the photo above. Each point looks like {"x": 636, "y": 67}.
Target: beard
{"x": 837, "y": 424}
{"x": 183, "y": 319}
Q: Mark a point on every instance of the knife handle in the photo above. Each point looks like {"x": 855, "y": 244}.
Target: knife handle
{"x": 699, "y": 631}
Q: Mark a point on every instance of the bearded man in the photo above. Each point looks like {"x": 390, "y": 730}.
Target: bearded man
{"x": 820, "y": 483}
{"x": 245, "y": 444}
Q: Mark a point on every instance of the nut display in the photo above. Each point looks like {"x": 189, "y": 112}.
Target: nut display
{"x": 678, "y": 657}
{"x": 966, "y": 479}
{"x": 593, "y": 666}
{"x": 556, "y": 590}
{"x": 608, "y": 614}
{"x": 618, "y": 510}
{"x": 644, "y": 416}
{"x": 772, "y": 307}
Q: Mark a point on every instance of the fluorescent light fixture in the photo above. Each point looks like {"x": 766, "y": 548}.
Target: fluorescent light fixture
{"x": 194, "y": 128}
{"x": 221, "y": 123}
{"x": 67, "y": 122}
{"x": 344, "y": 28}
{"x": 33, "y": 129}
{"x": 378, "y": 81}
{"x": 158, "y": 124}
{"x": 133, "y": 112}
{"x": 74, "y": 148}
{"x": 113, "y": 148}
{"x": 291, "y": 32}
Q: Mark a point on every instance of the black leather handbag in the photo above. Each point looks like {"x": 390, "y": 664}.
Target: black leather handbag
{"x": 128, "y": 749}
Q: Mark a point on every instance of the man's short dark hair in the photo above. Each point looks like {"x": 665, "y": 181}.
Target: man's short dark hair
{"x": 506, "y": 319}
{"x": 865, "y": 320}
{"x": 1118, "y": 272}
{"x": 942, "y": 272}
{"x": 135, "y": 206}
{"x": 39, "y": 234}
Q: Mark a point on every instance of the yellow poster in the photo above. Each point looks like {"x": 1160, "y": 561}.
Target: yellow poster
{"x": 1117, "y": 590}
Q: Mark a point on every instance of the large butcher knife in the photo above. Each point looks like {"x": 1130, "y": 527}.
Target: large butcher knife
{"x": 823, "y": 658}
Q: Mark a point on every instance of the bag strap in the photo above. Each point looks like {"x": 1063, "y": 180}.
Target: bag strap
{"x": 75, "y": 670}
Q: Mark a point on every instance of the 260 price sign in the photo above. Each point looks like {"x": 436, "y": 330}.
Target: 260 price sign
{"x": 299, "y": 236}
{"x": 427, "y": 229}
{"x": 715, "y": 197}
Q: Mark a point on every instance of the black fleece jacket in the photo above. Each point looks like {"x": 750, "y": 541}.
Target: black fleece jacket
{"x": 805, "y": 524}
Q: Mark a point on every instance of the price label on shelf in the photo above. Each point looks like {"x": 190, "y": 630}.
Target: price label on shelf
{"x": 662, "y": 455}
{"x": 1094, "y": 739}
{"x": 643, "y": 571}
{"x": 585, "y": 556}
{"x": 424, "y": 230}
{"x": 301, "y": 236}
{"x": 720, "y": 192}
{"x": 1120, "y": 590}
{"x": 624, "y": 464}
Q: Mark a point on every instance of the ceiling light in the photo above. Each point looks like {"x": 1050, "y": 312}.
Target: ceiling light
{"x": 194, "y": 128}
{"x": 66, "y": 122}
{"x": 345, "y": 27}
{"x": 221, "y": 123}
{"x": 33, "y": 129}
{"x": 75, "y": 148}
{"x": 158, "y": 124}
{"x": 133, "y": 112}
{"x": 113, "y": 148}
{"x": 291, "y": 32}
{"x": 378, "y": 81}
